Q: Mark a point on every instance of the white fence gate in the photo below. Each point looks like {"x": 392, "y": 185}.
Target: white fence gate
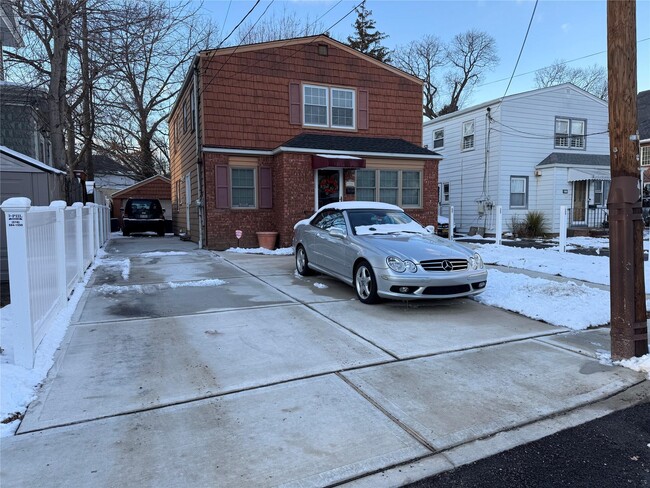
{"x": 49, "y": 249}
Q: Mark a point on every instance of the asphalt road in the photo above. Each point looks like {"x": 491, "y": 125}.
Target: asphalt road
{"x": 610, "y": 452}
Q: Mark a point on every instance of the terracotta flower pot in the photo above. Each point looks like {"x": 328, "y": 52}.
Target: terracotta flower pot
{"x": 267, "y": 239}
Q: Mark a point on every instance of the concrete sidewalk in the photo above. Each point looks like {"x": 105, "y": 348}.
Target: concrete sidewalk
{"x": 185, "y": 367}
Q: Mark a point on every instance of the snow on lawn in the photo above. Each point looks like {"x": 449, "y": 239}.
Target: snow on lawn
{"x": 547, "y": 300}
{"x": 594, "y": 269}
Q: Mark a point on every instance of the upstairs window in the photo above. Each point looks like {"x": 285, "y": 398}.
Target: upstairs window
{"x": 645, "y": 156}
{"x": 328, "y": 107}
{"x": 468, "y": 135}
{"x": 570, "y": 133}
{"x": 438, "y": 138}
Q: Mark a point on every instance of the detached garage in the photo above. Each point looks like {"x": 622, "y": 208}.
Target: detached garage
{"x": 155, "y": 187}
{"x": 23, "y": 176}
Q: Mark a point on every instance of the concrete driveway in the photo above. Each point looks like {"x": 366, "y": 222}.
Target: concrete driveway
{"x": 185, "y": 367}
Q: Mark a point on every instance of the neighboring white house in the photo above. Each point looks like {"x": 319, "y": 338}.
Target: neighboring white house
{"x": 536, "y": 150}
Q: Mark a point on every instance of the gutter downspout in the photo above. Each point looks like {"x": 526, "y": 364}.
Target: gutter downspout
{"x": 199, "y": 156}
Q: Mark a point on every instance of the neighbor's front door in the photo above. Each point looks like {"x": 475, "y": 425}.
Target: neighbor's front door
{"x": 579, "y": 202}
{"x": 328, "y": 186}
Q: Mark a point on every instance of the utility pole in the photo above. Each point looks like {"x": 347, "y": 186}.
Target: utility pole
{"x": 629, "y": 326}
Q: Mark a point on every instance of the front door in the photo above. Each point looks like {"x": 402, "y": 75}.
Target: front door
{"x": 328, "y": 186}
{"x": 579, "y": 211}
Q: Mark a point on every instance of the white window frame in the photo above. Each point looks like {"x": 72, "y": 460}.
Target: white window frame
{"x": 525, "y": 192}
{"x": 439, "y": 135}
{"x": 400, "y": 186}
{"x": 645, "y": 156}
{"x": 329, "y": 105}
{"x": 232, "y": 188}
{"x": 443, "y": 196}
{"x": 599, "y": 187}
{"x": 567, "y": 138}
{"x": 467, "y": 139}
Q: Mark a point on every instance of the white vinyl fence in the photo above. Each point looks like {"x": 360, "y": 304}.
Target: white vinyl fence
{"x": 49, "y": 250}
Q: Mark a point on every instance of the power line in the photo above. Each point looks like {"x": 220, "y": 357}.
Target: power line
{"x": 521, "y": 50}
{"x": 564, "y": 62}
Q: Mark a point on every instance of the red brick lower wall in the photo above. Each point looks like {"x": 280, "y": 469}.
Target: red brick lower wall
{"x": 293, "y": 200}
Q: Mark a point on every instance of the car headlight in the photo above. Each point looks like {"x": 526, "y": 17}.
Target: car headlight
{"x": 396, "y": 264}
{"x": 475, "y": 262}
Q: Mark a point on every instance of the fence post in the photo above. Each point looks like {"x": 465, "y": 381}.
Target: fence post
{"x": 59, "y": 208}
{"x": 79, "y": 238}
{"x": 499, "y": 224}
{"x": 450, "y": 234}
{"x": 15, "y": 210}
{"x": 563, "y": 228}
{"x": 89, "y": 237}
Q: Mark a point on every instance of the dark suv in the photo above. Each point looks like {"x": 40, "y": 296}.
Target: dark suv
{"x": 142, "y": 215}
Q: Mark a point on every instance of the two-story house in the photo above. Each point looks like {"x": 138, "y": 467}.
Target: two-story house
{"x": 537, "y": 150}
{"x": 262, "y": 135}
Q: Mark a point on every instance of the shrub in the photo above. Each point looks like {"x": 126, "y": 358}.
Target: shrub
{"x": 534, "y": 225}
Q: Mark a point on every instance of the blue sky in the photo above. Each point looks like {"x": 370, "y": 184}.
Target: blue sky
{"x": 570, "y": 30}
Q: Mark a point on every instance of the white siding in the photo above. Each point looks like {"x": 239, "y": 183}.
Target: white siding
{"x": 521, "y": 136}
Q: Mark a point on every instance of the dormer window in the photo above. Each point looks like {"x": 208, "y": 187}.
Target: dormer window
{"x": 570, "y": 133}
{"x": 328, "y": 107}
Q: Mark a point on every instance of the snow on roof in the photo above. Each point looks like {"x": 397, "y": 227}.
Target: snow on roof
{"x": 31, "y": 161}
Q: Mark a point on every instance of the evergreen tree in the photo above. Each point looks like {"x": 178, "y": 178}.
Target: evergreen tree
{"x": 367, "y": 38}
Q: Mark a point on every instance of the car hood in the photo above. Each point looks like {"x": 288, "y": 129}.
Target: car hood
{"x": 418, "y": 247}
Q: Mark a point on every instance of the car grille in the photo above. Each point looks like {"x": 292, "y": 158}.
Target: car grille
{"x": 444, "y": 265}
{"x": 446, "y": 290}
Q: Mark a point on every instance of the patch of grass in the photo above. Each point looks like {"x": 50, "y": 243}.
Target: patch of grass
{"x": 533, "y": 225}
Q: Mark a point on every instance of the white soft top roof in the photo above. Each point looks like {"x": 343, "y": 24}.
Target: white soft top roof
{"x": 360, "y": 205}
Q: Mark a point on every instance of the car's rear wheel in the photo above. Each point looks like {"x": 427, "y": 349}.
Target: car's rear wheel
{"x": 302, "y": 263}
{"x": 125, "y": 232}
{"x": 365, "y": 284}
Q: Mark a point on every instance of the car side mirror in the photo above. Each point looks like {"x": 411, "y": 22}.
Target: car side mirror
{"x": 430, "y": 229}
{"x": 336, "y": 232}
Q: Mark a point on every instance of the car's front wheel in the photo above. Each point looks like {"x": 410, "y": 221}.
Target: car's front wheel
{"x": 365, "y": 284}
{"x": 302, "y": 263}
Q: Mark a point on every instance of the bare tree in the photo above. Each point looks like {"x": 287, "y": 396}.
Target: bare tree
{"x": 469, "y": 55}
{"x": 423, "y": 58}
{"x": 285, "y": 26}
{"x": 592, "y": 79}
{"x": 149, "y": 58}
{"x": 449, "y": 72}
{"x": 47, "y": 25}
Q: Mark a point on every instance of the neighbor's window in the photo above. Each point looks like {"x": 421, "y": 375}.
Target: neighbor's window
{"x": 601, "y": 189}
{"x": 468, "y": 135}
{"x": 518, "y": 191}
{"x": 328, "y": 107}
{"x": 438, "y": 138}
{"x": 645, "y": 156}
{"x": 443, "y": 192}
{"x": 403, "y": 188}
{"x": 243, "y": 187}
{"x": 570, "y": 133}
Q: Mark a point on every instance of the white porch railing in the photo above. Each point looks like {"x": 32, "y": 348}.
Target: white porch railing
{"x": 48, "y": 250}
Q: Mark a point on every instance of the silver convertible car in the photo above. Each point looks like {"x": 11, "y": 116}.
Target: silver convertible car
{"x": 384, "y": 253}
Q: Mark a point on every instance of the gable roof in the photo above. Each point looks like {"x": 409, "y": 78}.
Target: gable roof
{"x": 297, "y": 41}
{"x": 140, "y": 184}
{"x": 643, "y": 114}
{"x": 498, "y": 101}
{"x": 575, "y": 159}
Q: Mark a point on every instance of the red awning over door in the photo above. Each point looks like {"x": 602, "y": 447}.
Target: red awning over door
{"x": 319, "y": 161}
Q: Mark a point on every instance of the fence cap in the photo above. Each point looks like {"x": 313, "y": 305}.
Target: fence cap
{"x": 77, "y": 205}
{"x": 58, "y": 204}
{"x": 16, "y": 204}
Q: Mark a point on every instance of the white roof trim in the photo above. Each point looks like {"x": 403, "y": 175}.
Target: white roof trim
{"x": 318, "y": 152}
{"x": 31, "y": 161}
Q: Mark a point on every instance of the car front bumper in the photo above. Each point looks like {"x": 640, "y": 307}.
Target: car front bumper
{"x": 430, "y": 284}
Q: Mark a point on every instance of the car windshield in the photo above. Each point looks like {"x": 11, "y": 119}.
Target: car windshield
{"x": 382, "y": 221}
{"x": 143, "y": 206}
